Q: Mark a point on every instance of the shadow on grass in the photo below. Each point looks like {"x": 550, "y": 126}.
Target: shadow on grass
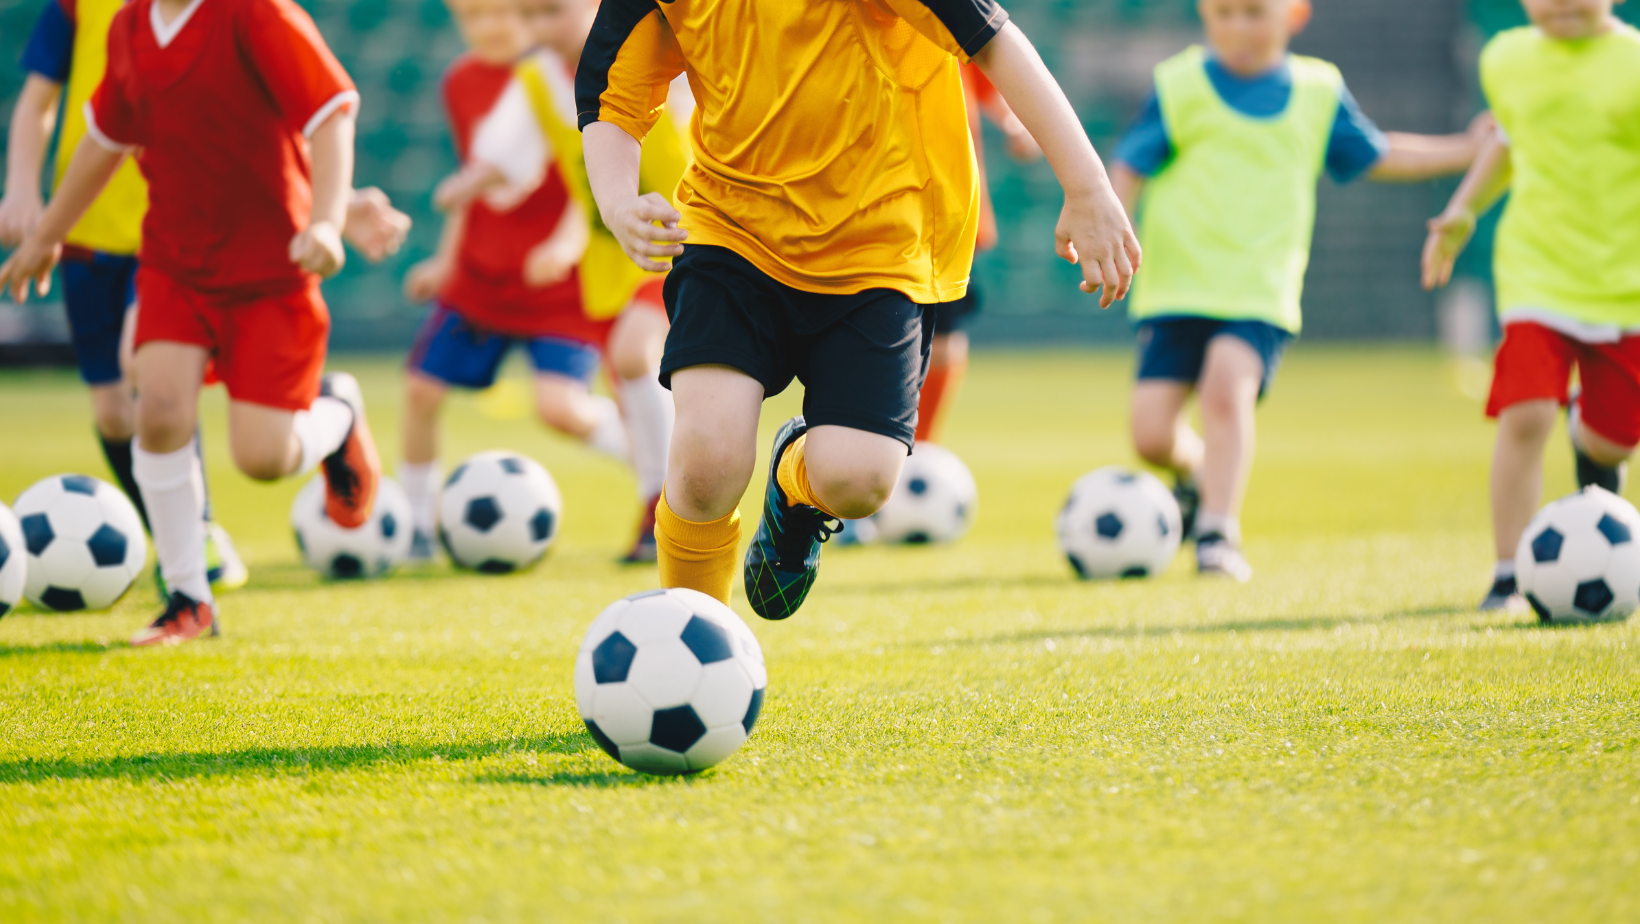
{"x": 13, "y": 651}
{"x": 582, "y": 779}
{"x": 1294, "y": 624}
{"x": 275, "y": 761}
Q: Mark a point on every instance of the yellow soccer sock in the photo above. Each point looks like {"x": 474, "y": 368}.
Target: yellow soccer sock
{"x": 699, "y": 556}
{"x": 793, "y": 477}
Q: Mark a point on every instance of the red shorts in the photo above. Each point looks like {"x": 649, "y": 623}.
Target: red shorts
{"x": 1535, "y": 363}
{"x": 267, "y": 350}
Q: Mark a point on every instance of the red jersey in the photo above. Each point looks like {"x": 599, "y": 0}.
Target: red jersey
{"x": 218, "y": 104}
{"x": 487, "y": 285}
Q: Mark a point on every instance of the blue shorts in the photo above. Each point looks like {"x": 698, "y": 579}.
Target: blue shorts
{"x": 457, "y": 352}
{"x": 98, "y": 289}
{"x": 1174, "y": 348}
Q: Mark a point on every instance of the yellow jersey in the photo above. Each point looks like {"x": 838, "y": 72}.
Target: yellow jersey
{"x": 113, "y": 224}
{"x": 830, "y": 139}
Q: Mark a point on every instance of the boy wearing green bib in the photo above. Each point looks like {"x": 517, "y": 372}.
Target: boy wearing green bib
{"x": 1566, "y": 93}
{"x": 1230, "y": 149}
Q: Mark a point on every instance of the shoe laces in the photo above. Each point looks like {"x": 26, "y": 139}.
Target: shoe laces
{"x": 806, "y": 525}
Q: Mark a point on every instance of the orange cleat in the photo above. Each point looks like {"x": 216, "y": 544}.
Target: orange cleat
{"x": 353, "y": 471}
{"x": 184, "y": 619}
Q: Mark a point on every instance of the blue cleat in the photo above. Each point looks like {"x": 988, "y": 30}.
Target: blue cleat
{"x": 784, "y": 557}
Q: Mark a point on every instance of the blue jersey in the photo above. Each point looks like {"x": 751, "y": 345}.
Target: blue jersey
{"x": 1355, "y": 146}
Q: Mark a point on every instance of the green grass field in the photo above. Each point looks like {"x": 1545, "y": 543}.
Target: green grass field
{"x": 951, "y": 734}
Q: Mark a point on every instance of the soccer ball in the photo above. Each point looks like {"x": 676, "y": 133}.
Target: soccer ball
{"x": 1119, "y": 523}
{"x": 1579, "y": 559}
{"x": 371, "y": 550}
{"x": 13, "y": 560}
{"x": 669, "y": 681}
{"x": 499, "y": 512}
{"x": 933, "y": 501}
{"x": 84, "y": 540}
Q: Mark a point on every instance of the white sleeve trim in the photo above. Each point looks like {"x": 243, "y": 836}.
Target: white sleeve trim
{"x": 96, "y": 134}
{"x": 344, "y": 98}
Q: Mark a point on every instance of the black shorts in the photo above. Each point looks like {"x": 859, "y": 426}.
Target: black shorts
{"x": 1174, "y": 348}
{"x": 861, "y": 358}
{"x": 950, "y": 317}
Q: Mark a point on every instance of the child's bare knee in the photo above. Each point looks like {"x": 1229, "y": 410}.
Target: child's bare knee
{"x": 856, "y": 493}
{"x": 1528, "y": 422}
{"x": 424, "y": 396}
{"x": 1153, "y": 440}
{"x": 259, "y": 461}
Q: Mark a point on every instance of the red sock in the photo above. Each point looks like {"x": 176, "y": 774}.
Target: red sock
{"x": 937, "y": 393}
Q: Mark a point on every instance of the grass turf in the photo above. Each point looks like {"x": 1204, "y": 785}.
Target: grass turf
{"x": 952, "y": 734}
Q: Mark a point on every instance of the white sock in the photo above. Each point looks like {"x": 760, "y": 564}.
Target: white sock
{"x": 174, "y": 493}
{"x": 1505, "y": 570}
{"x": 322, "y": 429}
{"x": 649, "y": 417}
{"x": 421, "y": 483}
{"x": 1226, "y": 526}
{"x": 608, "y": 435}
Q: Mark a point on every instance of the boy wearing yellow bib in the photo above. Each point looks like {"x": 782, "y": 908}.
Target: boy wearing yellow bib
{"x": 1229, "y": 151}
{"x": 1566, "y": 93}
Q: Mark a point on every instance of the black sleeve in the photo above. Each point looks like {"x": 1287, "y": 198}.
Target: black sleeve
{"x": 973, "y": 23}
{"x": 614, "y": 24}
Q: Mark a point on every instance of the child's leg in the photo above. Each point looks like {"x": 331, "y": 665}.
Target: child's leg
{"x": 714, "y": 450}
{"x": 567, "y": 405}
{"x": 165, "y": 465}
{"x": 635, "y": 347}
{"x": 1228, "y": 394}
{"x": 418, "y": 472}
{"x": 1162, "y": 434}
{"x": 1517, "y": 470}
{"x": 842, "y": 471}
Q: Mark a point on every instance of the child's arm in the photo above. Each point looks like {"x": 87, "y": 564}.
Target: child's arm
{"x": 318, "y": 249}
{"x": 427, "y": 277}
{"x": 552, "y": 260}
{"x": 1021, "y": 146}
{"x": 374, "y": 227}
{"x": 613, "y": 158}
{"x": 1449, "y": 232}
{"x": 31, "y": 125}
{"x": 1093, "y": 228}
{"x": 1412, "y": 158}
{"x": 90, "y": 169}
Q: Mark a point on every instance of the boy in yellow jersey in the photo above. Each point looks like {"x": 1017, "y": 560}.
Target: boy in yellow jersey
{"x": 833, "y": 195}
{"x": 67, "y": 51}
{"x": 1231, "y": 146}
{"x": 1566, "y": 94}
{"x": 535, "y": 121}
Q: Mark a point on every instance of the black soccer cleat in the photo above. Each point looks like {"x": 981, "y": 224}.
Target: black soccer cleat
{"x": 1189, "y": 498}
{"x": 1217, "y": 556}
{"x": 1504, "y": 597}
{"x": 784, "y": 557}
{"x": 1613, "y": 478}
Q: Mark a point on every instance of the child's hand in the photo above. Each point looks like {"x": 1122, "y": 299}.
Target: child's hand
{"x": 1449, "y": 232}
{"x": 633, "y": 224}
{"x": 426, "y": 278}
{"x": 319, "y": 249}
{"x": 1094, "y": 232}
{"x": 374, "y": 227}
{"x": 19, "y": 213}
{"x": 30, "y": 263}
{"x": 1481, "y": 128}
{"x": 551, "y": 261}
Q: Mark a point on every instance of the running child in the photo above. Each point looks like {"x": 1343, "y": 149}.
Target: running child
{"x": 504, "y": 275}
{"x": 66, "y": 53}
{"x": 833, "y": 194}
{"x": 1566, "y": 94}
{"x": 245, "y": 216}
{"x": 1229, "y": 149}
{"x": 536, "y": 117}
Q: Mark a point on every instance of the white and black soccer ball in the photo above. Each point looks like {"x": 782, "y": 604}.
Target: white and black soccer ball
{"x": 1579, "y": 559}
{"x": 499, "y": 512}
{"x": 934, "y": 500}
{"x": 342, "y": 554}
{"x": 13, "y": 561}
{"x": 85, "y": 542}
{"x": 669, "y": 681}
{"x": 1119, "y": 523}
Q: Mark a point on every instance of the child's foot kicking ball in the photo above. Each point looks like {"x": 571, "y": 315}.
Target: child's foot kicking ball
{"x": 184, "y": 618}
{"x": 1504, "y": 596}
{"x": 353, "y": 471}
{"x": 784, "y": 557}
{"x": 1218, "y": 556}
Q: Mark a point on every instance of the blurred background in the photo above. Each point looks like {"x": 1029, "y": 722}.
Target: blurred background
{"x": 1410, "y": 63}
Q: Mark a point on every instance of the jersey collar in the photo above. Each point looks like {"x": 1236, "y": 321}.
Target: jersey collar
{"x": 165, "y": 32}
